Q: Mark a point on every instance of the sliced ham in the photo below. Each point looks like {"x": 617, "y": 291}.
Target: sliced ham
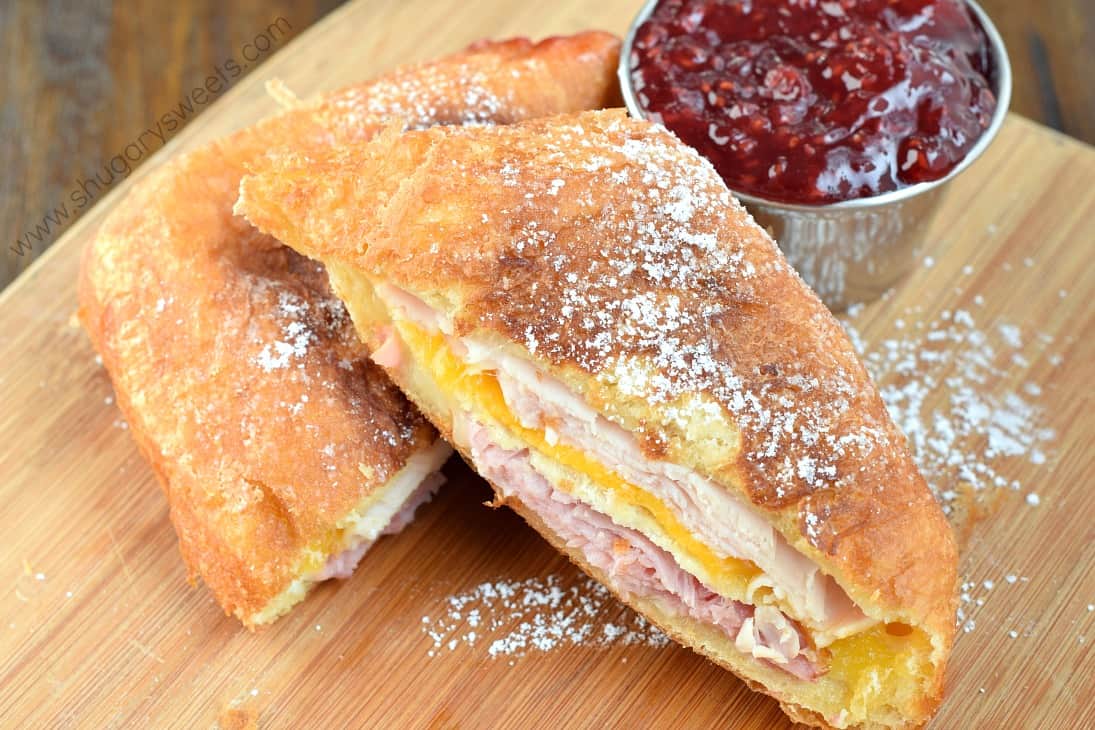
{"x": 419, "y": 497}
{"x": 636, "y": 566}
{"x": 390, "y": 352}
{"x": 408, "y": 490}
{"x": 342, "y": 565}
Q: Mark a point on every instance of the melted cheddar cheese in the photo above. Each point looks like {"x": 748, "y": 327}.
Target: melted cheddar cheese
{"x": 867, "y": 664}
{"x": 729, "y": 576}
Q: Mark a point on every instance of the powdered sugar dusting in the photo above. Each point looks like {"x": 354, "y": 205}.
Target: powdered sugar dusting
{"x": 514, "y": 617}
{"x": 292, "y": 347}
{"x": 424, "y": 95}
{"x": 652, "y": 290}
{"x": 307, "y": 373}
{"x": 420, "y": 94}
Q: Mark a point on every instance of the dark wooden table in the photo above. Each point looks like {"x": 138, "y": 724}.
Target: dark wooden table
{"x": 87, "y": 89}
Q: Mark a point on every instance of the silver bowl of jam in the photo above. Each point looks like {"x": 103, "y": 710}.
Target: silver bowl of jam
{"x": 838, "y": 123}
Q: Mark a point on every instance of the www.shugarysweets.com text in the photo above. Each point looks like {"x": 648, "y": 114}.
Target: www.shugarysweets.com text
{"x": 86, "y": 189}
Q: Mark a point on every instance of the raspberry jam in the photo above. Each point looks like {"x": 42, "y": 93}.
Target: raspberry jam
{"x": 814, "y": 101}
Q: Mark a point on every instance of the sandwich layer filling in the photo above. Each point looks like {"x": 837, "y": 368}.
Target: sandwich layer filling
{"x": 654, "y": 530}
{"x": 637, "y": 566}
{"x": 631, "y": 561}
{"x": 725, "y": 542}
{"x": 386, "y": 512}
{"x": 750, "y": 558}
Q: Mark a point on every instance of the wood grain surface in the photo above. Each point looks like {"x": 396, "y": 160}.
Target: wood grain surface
{"x": 98, "y": 627}
{"x": 80, "y": 81}
{"x": 1052, "y": 49}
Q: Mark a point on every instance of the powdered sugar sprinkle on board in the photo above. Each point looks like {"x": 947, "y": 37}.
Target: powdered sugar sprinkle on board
{"x": 966, "y": 438}
{"x": 510, "y": 618}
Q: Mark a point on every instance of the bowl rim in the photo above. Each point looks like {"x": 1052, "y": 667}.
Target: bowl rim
{"x": 1002, "y": 65}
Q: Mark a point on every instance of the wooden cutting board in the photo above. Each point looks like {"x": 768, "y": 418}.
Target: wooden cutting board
{"x": 98, "y": 627}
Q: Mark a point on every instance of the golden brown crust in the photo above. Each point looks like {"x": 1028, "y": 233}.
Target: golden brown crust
{"x": 492, "y": 82}
{"x": 617, "y": 258}
{"x": 240, "y": 374}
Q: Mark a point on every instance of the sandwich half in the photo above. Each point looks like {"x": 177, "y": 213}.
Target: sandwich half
{"x": 584, "y": 311}
{"x": 284, "y": 451}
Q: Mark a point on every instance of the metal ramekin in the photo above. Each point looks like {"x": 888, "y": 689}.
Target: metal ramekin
{"x": 855, "y": 250}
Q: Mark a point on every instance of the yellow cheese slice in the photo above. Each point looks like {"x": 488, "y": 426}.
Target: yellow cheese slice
{"x": 862, "y": 662}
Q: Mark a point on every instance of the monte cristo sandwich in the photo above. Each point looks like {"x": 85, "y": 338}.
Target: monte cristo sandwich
{"x": 283, "y": 450}
{"x": 582, "y": 308}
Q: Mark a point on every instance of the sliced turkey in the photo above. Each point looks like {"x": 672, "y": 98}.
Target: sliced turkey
{"x": 634, "y": 565}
